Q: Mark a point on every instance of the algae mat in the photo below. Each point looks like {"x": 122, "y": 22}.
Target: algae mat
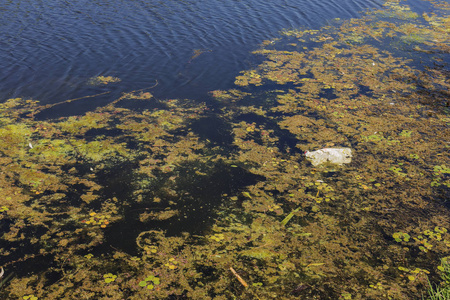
{"x": 175, "y": 199}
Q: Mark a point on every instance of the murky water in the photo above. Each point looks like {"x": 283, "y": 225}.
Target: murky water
{"x": 315, "y": 167}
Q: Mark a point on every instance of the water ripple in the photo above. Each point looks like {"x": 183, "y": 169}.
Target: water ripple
{"x": 49, "y": 49}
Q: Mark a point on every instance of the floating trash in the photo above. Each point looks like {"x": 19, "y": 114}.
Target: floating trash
{"x": 337, "y": 156}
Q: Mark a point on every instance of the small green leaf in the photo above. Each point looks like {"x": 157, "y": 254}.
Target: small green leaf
{"x": 142, "y": 283}
{"x": 289, "y": 216}
{"x": 247, "y": 194}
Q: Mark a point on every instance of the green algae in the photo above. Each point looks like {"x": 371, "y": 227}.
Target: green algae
{"x": 373, "y": 229}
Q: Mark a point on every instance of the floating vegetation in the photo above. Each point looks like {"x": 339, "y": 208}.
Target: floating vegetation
{"x": 97, "y": 219}
{"x": 108, "y": 278}
{"x": 395, "y": 10}
{"x": 103, "y": 80}
{"x": 400, "y": 236}
{"x": 175, "y": 199}
{"x": 150, "y": 282}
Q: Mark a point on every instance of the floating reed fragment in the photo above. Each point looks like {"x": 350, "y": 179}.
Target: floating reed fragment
{"x": 239, "y": 278}
{"x": 289, "y": 216}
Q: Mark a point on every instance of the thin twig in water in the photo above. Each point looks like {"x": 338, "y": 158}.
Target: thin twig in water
{"x": 239, "y": 278}
{"x": 68, "y": 101}
{"x": 125, "y": 95}
{"x": 90, "y": 96}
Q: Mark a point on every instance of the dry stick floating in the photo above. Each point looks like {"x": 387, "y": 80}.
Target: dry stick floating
{"x": 124, "y": 95}
{"x": 68, "y": 101}
{"x": 242, "y": 281}
{"x": 90, "y": 96}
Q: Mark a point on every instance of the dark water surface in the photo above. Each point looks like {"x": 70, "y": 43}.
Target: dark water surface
{"x": 49, "y": 49}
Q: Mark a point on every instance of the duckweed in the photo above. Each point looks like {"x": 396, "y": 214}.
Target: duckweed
{"x": 149, "y": 282}
{"x": 400, "y": 236}
{"x": 108, "y": 278}
{"x": 97, "y": 219}
{"x": 172, "y": 264}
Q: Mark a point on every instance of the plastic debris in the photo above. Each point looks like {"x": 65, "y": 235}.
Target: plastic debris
{"x": 337, "y": 156}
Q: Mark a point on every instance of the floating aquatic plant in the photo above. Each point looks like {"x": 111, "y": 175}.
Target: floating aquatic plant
{"x": 415, "y": 274}
{"x": 172, "y": 264}
{"x": 109, "y": 278}
{"x": 243, "y": 188}
{"x": 218, "y": 237}
{"x": 401, "y": 236}
{"x": 103, "y": 80}
{"x": 97, "y": 219}
{"x": 149, "y": 282}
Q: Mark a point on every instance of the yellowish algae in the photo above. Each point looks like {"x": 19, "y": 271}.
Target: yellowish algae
{"x": 281, "y": 228}
{"x": 103, "y": 80}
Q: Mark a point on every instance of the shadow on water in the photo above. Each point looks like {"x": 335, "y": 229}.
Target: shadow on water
{"x": 214, "y": 130}
{"x": 287, "y": 141}
{"x": 193, "y": 193}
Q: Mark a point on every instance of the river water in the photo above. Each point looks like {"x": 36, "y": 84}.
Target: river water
{"x": 49, "y": 49}
{"x": 179, "y": 149}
